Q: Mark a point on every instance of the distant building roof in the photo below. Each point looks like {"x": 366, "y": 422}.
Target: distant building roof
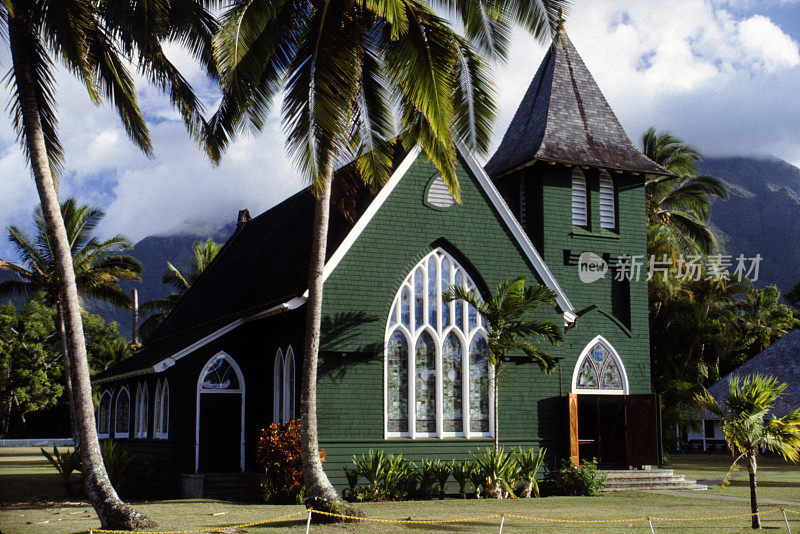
{"x": 564, "y": 118}
{"x": 780, "y": 360}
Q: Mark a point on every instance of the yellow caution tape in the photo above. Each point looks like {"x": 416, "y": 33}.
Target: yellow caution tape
{"x": 451, "y": 521}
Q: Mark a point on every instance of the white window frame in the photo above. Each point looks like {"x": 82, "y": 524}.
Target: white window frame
{"x": 579, "y": 186}
{"x": 203, "y": 391}
{"x": 141, "y": 412}
{"x": 127, "y": 433}
{"x": 607, "y": 202}
{"x": 288, "y": 404}
{"x": 107, "y": 433}
{"x": 161, "y": 410}
{"x": 585, "y": 353}
{"x": 439, "y": 334}
{"x": 277, "y": 388}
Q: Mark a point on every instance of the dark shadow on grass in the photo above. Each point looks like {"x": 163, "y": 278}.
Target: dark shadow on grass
{"x": 455, "y": 527}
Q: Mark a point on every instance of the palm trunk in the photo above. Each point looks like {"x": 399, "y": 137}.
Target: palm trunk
{"x": 496, "y": 409}
{"x": 752, "y": 467}
{"x": 320, "y": 494}
{"x": 62, "y": 337}
{"x": 112, "y": 512}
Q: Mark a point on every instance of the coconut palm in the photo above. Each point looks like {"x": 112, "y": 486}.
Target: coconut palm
{"x": 93, "y": 40}
{"x": 99, "y": 268}
{"x": 343, "y": 67}
{"x": 508, "y": 314}
{"x": 203, "y": 253}
{"x": 678, "y": 205}
{"x": 749, "y": 428}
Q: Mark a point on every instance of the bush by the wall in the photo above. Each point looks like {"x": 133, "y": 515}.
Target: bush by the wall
{"x": 279, "y": 452}
{"x": 122, "y": 467}
{"x": 65, "y": 463}
{"x": 572, "y": 480}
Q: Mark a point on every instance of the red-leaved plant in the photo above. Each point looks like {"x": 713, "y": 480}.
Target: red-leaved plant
{"x": 279, "y": 451}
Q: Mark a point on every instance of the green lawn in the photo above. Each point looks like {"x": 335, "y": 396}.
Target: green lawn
{"x": 776, "y": 479}
{"x": 31, "y": 501}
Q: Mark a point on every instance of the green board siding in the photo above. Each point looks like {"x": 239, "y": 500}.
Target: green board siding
{"x": 359, "y": 293}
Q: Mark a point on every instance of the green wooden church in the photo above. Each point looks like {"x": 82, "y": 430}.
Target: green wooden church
{"x": 399, "y": 369}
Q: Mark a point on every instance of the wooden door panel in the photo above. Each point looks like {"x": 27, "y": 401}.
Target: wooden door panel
{"x": 640, "y": 429}
{"x": 572, "y": 407}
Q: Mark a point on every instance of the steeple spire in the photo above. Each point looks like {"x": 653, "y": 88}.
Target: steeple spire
{"x": 564, "y": 118}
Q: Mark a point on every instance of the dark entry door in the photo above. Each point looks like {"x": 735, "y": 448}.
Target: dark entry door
{"x": 220, "y": 432}
{"x": 601, "y": 429}
{"x": 642, "y": 444}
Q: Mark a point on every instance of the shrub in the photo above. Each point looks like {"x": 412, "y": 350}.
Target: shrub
{"x": 65, "y": 463}
{"x": 441, "y": 472}
{"x": 388, "y": 477}
{"x": 528, "y": 463}
{"x": 476, "y": 477}
{"x": 461, "y": 474}
{"x": 499, "y": 471}
{"x": 279, "y": 452}
{"x": 121, "y": 466}
{"x": 572, "y": 480}
{"x": 427, "y": 478}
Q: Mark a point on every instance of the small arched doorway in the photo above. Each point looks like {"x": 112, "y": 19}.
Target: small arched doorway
{"x": 597, "y": 405}
{"x": 219, "y": 432}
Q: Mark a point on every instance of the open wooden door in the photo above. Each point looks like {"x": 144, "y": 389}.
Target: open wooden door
{"x": 641, "y": 431}
{"x": 572, "y": 408}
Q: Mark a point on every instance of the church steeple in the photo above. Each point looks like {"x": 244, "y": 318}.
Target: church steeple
{"x": 564, "y": 118}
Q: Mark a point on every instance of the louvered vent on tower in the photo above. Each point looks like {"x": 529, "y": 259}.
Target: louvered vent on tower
{"x": 439, "y": 195}
{"x": 608, "y": 216}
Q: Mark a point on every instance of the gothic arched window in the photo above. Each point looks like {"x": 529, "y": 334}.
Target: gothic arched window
{"x": 599, "y": 370}
{"x": 436, "y": 360}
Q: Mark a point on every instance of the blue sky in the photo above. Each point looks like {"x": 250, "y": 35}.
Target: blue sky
{"x": 724, "y": 75}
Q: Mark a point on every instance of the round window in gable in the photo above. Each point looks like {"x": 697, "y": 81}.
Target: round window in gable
{"x": 439, "y": 194}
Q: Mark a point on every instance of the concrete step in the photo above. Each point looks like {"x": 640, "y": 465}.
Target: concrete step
{"x": 647, "y": 487}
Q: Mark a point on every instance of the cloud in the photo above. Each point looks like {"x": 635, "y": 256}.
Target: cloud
{"x": 719, "y": 74}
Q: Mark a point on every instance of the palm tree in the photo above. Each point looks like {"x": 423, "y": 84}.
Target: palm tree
{"x": 678, "y": 205}
{"x": 748, "y": 427}
{"x": 343, "y": 67}
{"x": 94, "y": 40}
{"x": 203, "y": 253}
{"x": 98, "y": 271}
{"x": 116, "y": 351}
{"x": 508, "y": 315}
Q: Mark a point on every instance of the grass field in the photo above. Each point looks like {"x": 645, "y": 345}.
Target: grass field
{"x": 32, "y": 501}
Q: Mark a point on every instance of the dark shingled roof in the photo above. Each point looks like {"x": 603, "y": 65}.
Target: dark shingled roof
{"x": 565, "y": 118}
{"x": 780, "y": 360}
{"x": 262, "y": 265}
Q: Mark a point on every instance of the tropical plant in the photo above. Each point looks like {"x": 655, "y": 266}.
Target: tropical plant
{"x": 461, "y": 470}
{"x": 98, "y": 266}
{"x": 65, "y": 463}
{"x": 342, "y": 68}
{"x": 498, "y": 469}
{"x": 399, "y": 478}
{"x": 122, "y": 467}
{"x": 95, "y": 41}
{"x": 442, "y": 471}
{"x": 575, "y": 481}
{"x": 115, "y": 351}
{"x": 278, "y": 452}
{"x": 528, "y": 463}
{"x": 372, "y": 467}
{"x": 427, "y": 477}
{"x": 352, "y": 476}
{"x": 678, "y": 204}
{"x": 30, "y": 367}
{"x": 180, "y": 280}
{"x": 749, "y": 426}
{"x": 477, "y": 479}
{"x": 508, "y": 314}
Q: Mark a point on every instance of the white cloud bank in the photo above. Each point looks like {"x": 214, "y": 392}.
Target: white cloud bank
{"x": 724, "y": 81}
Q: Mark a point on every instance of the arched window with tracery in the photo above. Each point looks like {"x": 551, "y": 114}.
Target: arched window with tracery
{"x": 600, "y": 370}
{"x": 104, "y": 415}
{"x": 288, "y": 386}
{"x": 277, "y": 388}
{"x": 122, "y": 414}
{"x": 141, "y": 412}
{"x": 161, "y": 410}
{"x": 436, "y": 360}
